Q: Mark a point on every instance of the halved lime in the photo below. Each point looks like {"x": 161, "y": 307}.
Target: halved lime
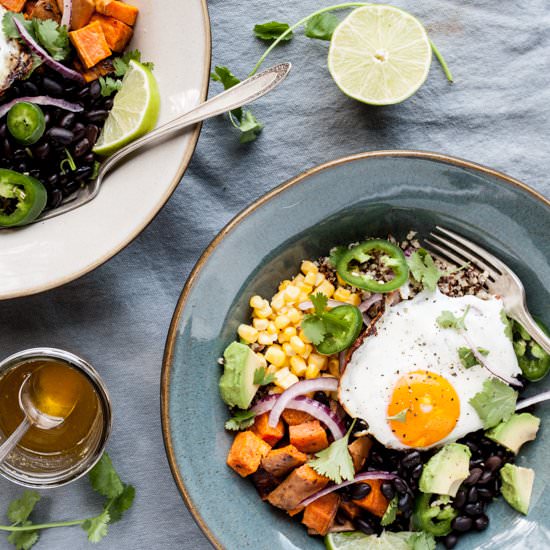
{"x": 135, "y": 110}
{"x": 359, "y": 541}
{"x": 379, "y": 55}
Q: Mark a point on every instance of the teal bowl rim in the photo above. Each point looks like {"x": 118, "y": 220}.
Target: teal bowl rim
{"x": 172, "y": 332}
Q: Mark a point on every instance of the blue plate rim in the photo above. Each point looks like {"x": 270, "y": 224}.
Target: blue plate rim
{"x": 230, "y": 226}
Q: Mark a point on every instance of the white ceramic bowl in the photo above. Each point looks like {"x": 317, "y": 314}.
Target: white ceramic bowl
{"x": 51, "y": 253}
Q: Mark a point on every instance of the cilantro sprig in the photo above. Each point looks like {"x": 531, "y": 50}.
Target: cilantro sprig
{"x": 468, "y": 358}
{"x": 272, "y": 30}
{"x": 320, "y": 323}
{"x": 240, "y": 421}
{"x": 262, "y": 377}
{"x": 448, "y": 319}
{"x": 122, "y": 63}
{"x": 103, "y": 479}
{"x": 496, "y": 403}
{"x": 390, "y": 514}
{"x": 424, "y": 270}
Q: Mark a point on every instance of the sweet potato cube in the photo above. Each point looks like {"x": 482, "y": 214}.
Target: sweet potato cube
{"x": 246, "y": 453}
{"x": 117, "y": 34}
{"x": 300, "y": 484}
{"x": 280, "y": 461}
{"x": 264, "y": 482}
{"x": 359, "y": 451}
{"x": 293, "y": 417}
{"x": 320, "y": 514}
{"x": 119, "y": 10}
{"x": 13, "y": 5}
{"x": 90, "y": 44}
{"x": 103, "y": 68}
{"x": 262, "y": 429}
{"x": 308, "y": 437}
{"x": 351, "y": 510}
{"x": 295, "y": 512}
{"x": 375, "y": 502}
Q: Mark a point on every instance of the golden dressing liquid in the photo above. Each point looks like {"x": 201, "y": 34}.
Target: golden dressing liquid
{"x": 57, "y": 389}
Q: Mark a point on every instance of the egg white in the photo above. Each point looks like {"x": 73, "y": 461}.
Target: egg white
{"x": 408, "y": 338}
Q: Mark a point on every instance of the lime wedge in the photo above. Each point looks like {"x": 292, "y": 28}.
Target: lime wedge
{"x": 359, "y": 541}
{"x": 135, "y": 110}
{"x": 379, "y": 55}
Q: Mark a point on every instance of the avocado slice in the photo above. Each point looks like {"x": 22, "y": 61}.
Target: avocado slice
{"x": 237, "y": 386}
{"x": 517, "y": 485}
{"x": 446, "y": 470}
{"x": 516, "y": 431}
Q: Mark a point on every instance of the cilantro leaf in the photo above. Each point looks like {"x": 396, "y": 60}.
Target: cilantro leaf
{"x": 467, "y": 357}
{"x": 508, "y": 325}
{"x": 262, "y": 378}
{"x": 20, "y": 509}
{"x": 240, "y": 420}
{"x": 272, "y": 30}
{"x": 401, "y": 416}
{"x": 121, "y": 503}
{"x": 423, "y": 269}
{"x": 495, "y": 403}
{"x": 225, "y": 76}
{"x": 249, "y": 126}
{"x": 109, "y": 85}
{"x": 447, "y": 319}
{"x": 321, "y": 26}
{"x": 319, "y": 301}
{"x": 97, "y": 527}
{"x": 24, "y": 540}
{"x": 104, "y": 478}
{"x": 54, "y": 38}
{"x": 336, "y": 254}
{"x": 335, "y": 461}
{"x": 390, "y": 514}
{"x": 314, "y": 328}
{"x": 9, "y": 28}
{"x": 122, "y": 63}
{"x": 420, "y": 540}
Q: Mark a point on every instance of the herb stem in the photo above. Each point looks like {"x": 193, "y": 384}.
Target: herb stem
{"x": 38, "y": 526}
{"x": 442, "y": 61}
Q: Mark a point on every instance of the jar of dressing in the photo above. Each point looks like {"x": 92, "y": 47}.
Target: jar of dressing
{"x": 60, "y": 384}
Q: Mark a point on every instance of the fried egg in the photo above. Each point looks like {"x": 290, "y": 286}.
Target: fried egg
{"x": 407, "y": 381}
{"x": 15, "y": 62}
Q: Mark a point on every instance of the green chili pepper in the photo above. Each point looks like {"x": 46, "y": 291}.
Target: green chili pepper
{"x": 435, "y": 519}
{"x": 22, "y": 198}
{"x": 533, "y": 361}
{"x": 345, "y": 324}
{"x": 351, "y": 265}
{"x": 26, "y": 122}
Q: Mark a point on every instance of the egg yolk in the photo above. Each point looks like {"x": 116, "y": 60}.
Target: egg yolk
{"x": 425, "y": 407}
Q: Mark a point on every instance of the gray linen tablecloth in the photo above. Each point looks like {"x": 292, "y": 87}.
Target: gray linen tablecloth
{"x": 496, "y": 113}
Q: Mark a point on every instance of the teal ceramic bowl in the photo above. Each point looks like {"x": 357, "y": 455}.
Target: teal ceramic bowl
{"x": 339, "y": 202}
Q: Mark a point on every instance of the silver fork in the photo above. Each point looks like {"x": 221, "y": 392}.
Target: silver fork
{"x": 502, "y": 281}
{"x": 247, "y": 91}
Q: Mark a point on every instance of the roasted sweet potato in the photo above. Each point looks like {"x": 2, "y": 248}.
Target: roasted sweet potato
{"x": 308, "y": 437}
{"x": 320, "y": 514}
{"x": 293, "y": 417}
{"x": 359, "y": 451}
{"x": 119, "y": 10}
{"x": 13, "y": 5}
{"x": 262, "y": 429}
{"x": 280, "y": 461}
{"x": 300, "y": 484}
{"x": 350, "y": 509}
{"x": 81, "y": 12}
{"x": 295, "y": 512}
{"x": 375, "y": 502}
{"x": 117, "y": 34}
{"x": 103, "y": 68}
{"x": 90, "y": 44}
{"x": 264, "y": 482}
{"x": 246, "y": 453}
{"x": 46, "y": 9}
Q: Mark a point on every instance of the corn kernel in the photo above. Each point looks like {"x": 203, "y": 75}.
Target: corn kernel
{"x": 354, "y": 300}
{"x": 341, "y": 294}
{"x": 303, "y": 297}
{"x": 310, "y": 278}
{"x": 298, "y": 366}
{"x": 320, "y": 278}
{"x": 326, "y": 288}
{"x": 278, "y": 302}
{"x": 282, "y": 338}
{"x": 320, "y": 360}
{"x": 287, "y": 348}
{"x": 304, "y": 337}
{"x": 266, "y": 339}
{"x": 297, "y": 344}
{"x": 284, "y": 284}
{"x": 291, "y": 294}
{"x": 341, "y": 281}
{"x": 282, "y": 321}
{"x": 264, "y": 312}
{"x": 284, "y": 378}
{"x": 304, "y": 287}
{"x": 334, "y": 367}
{"x": 275, "y": 390}
{"x": 295, "y": 316}
{"x": 275, "y": 355}
{"x": 271, "y": 328}
{"x": 312, "y": 371}
{"x": 289, "y": 331}
{"x": 308, "y": 267}
{"x": 260, "y": 324}
{"x": 257, "y": 302}
{"x": 298, "y": 279}
{"x": 247, "y": 333}
{"x": 263, "y": 362}
{"x": 271, "y": 369}
{"x": 307, "y": 352}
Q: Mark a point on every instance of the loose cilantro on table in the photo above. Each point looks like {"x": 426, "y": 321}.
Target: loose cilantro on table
{"x": 390, "y": 514}
{"x": 103, "y": 479}
{"x": 321, "y": 26}
{"x": 468, "y": 358}
{"x": 423, "y": 269}
{"x": 335, "y": 461}
{"x": 240, "y": 420}
{"x": 448, "y": 319}
{"x": 495, "y": 403}
{"x": 272, "y": 30}
{"x": 262, "y": 378}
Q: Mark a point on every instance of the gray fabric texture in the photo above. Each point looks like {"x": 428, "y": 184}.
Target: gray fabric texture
{"x": 496, "y": 114}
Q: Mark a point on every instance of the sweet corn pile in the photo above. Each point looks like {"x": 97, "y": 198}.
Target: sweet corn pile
{"x": 288, "y": 354}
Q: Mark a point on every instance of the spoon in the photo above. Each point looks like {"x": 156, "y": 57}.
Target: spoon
{"x": 247, "y": 91}
{"x": 33, "y": 417}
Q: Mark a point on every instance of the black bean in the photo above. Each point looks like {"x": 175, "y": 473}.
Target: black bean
{"x": 400, "y": 485}
{"x": 19, "y": 154}
{"x": 108, "y": 104}
{"x": 55, "y": 198}
{"x": 89, "y": 158}
{"x": 476, "y": 463}
{"x": 97, "y": 116}
{"x": 82, "y": 147}
{"x": 322, "y": 397}
{"x": 3, "y": 130}
{"x": 472, "y": 495}
{"x": 474, "y": 476}
{"x": 95, "y": 89}
{"x": 485, "y": 478}
{"x": 67, "y": 120}
{"x": 83, "y": 173}
{"x": 493, "y": 463}
{"x": 21, "y": 167}
{"x": 53, "y": 179}
{"x": 365, "y": 526}
{"x": 411, "y": 460}
{"x": 360, "y": 491}
{"x": 42, "y": 150}
{"x": 6, "y": 148}
{"x": 481, "y": 523}
{"x": 62, "y": 136}
{"x": 462, "y": 524}
{"x": 387, "y": 490}
{"x": 472, "y": 446}
{"x": 28, "y": 88}
{"x": 450, "y": 541}
{"x": 474, "y": 509}
{"x": 460, "y": 499}
{"x": 341, "y": 518}
{"x": 92, "y": 132}
{"x": 417, "y": 472}
{"x": 52, "y": 87}
{"x": 405, "y": 502}
{"x": 485, "y": 493}
{"x": 71, "y": 187}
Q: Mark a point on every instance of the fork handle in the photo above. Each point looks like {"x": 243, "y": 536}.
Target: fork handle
{"x": 523, "y": 317}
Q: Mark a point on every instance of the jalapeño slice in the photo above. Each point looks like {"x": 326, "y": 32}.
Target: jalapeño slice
{"x": 344, "y": 324}
{"x": 22, "y": 198}
{"x": 353, "y": 263}
{"x": 26, "y": 122}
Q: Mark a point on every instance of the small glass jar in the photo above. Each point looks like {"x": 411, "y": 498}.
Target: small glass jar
{"x": 57, "y": 467}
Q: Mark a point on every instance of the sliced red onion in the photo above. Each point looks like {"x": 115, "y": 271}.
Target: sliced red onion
{"x": 483, "y": 361}
{"x": 319, "y": 411}
{"x": 359, "y": 477}
{"x": 342, "y": 361}
{"x": 330, "y": 303}
{"x": 524, "y": 403}
{"x": 365, "y": 305}
{"x": 44, "y": 55}
{"x": 42, "y": 100}
{"x": 67, "y": 12}
{"x": 299, "y": 388}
